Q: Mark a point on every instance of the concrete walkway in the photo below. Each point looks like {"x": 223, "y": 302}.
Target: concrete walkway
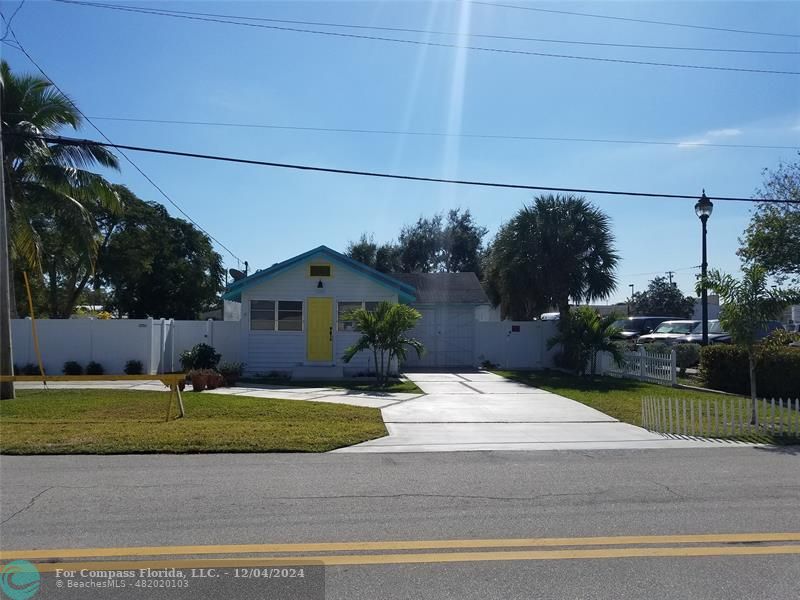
{"x": 321, "y": 394}
{"x": 483, "y": 411}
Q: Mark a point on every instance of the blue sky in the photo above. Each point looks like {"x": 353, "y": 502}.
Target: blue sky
{"x": 132, "y": 65}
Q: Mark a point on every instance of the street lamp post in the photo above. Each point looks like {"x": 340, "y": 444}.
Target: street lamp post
{"x": 630, "y": 285}
{"x": 703, "y": 210}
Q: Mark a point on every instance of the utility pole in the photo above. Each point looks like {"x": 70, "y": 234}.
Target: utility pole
{"x": 670, "y": 274}
{"x": 6, "y": 357}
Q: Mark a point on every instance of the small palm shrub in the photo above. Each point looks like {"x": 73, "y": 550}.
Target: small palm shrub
{"x": 72, "y": 367}
{"x": 582, "y": 336}
{"x": 94, "y": 368}
{"x": 383, "y": 332}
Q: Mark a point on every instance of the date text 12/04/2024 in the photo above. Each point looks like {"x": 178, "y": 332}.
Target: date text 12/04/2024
{"x": 248, "y": 573}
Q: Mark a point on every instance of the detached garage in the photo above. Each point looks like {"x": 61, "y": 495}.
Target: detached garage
{"x": 448, "y": 303}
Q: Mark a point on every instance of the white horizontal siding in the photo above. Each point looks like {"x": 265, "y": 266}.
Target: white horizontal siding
{"x": 267, "y": 351}
{"x": 274, "y": 351}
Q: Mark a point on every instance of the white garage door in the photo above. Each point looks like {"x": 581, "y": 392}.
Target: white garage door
{"x": 448, "y": 333}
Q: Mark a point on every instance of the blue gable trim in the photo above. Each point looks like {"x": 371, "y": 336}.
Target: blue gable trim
{"x": 405, "y": 292}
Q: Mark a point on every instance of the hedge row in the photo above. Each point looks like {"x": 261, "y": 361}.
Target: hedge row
{"x": 726, "y": 368}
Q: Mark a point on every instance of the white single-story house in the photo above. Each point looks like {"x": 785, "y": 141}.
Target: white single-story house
{"x": 291, "y": 314}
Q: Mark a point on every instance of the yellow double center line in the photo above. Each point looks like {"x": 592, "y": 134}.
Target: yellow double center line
{"x": 401, "y": 552}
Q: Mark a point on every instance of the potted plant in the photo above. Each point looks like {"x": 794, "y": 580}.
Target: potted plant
{"x": 231, "y": 372}
{"x": 201, "y": 356}
{"x": 213, "y": 379}
{"x": 199, "y": 379}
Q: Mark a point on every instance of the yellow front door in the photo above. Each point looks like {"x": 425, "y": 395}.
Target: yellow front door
{"x": 320, "y": 329}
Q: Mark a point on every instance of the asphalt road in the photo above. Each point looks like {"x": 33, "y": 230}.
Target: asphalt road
{"x": 164, "y": 501}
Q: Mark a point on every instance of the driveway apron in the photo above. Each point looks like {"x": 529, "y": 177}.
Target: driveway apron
{"x": 484, "y": 411}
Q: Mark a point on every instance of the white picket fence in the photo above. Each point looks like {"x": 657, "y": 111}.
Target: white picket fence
{"x": 646, "y": 366}
{"x": 721, "y": 417}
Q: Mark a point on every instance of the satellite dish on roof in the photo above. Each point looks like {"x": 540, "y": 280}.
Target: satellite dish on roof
{"x": 236, "y": 274}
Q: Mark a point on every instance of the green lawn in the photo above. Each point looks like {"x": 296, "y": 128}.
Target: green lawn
{"x": 397, "y": 385}
{"x": 617, "y": 397}
{"x": 122, "y": 422}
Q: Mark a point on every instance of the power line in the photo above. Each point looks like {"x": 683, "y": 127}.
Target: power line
{"x": 439, "y": 133}
{"x": 429, "y": 43}
{"x": 431, "y": 31}
{"x": 632, "y": 20}
{"x": 490, "y": 184}
{"x": 119, "y": 148}
{"x": 10, "y": 19}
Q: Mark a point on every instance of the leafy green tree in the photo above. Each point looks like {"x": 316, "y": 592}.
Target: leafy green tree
{"x": 747, "y": 305}
{"x": 384, "y": 333}
{"x": 462, "y": 243}
{"x": 663, "y": 299}
{"x": 363, "y": 250}
{"x": 387, "y": 258}
{"x": 47, "y": 183}
{"x": 557, "y": 250}
{"x": 584, "y": 335}
{"x": 159, "y": 266}
{"x": 772, "y": 239}
{"x": 421, "y": 245}
{"x": 451, "y": 243}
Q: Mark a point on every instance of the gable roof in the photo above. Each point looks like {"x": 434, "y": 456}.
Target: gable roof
{"x": 453, "y": 288}
{"x": 404, "y": 290}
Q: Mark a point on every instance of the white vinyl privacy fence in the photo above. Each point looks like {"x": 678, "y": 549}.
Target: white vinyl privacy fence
{"x": 156, "y": 343}
{"x": 654, "y": 367}
{"x": 722, "y": 417}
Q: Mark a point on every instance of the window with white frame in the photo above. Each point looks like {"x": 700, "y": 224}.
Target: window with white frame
{"x": 346, "y": 307}
{"x": 280, "y": 315}
{"x": 262, "y": 315}
{"x": 290, "y": 315}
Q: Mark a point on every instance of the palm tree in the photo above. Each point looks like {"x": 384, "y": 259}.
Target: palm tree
{"x": 747, "y": 305}
{"x": 383, "y": 331}
{"x": 587, "y": 334}
{"x": 559, "y": 249}
{"x": 48, "y": 181}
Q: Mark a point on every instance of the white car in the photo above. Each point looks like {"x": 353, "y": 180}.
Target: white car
{"x": 668, "y": 332}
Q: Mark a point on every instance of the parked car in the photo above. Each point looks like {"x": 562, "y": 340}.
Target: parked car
{"x": 716, "y": 335}
{"x": 632, "y": 327}
{"x": 668, "y": 332}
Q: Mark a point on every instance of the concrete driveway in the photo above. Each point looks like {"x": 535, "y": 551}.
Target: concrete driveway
{"x": 483, "y": 411}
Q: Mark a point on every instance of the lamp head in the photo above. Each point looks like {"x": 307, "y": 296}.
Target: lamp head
{"x": 704, "y": 207}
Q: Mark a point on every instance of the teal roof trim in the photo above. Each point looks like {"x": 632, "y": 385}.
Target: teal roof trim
{"x": 405, "y": 292}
